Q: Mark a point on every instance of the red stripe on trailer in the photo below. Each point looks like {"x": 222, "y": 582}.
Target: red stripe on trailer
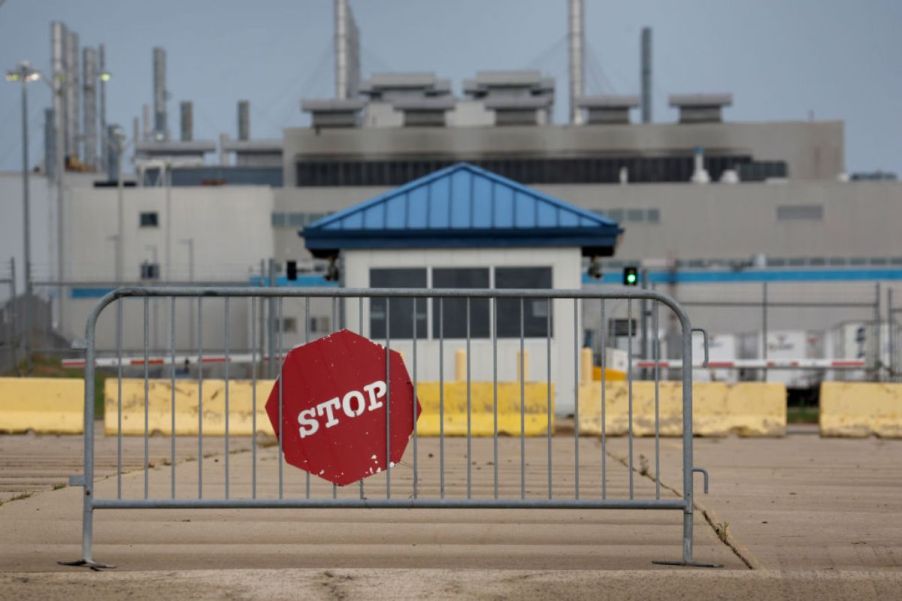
{"x": 720, "y": 365}
{"x": 847, "y": 363}
{"x": 213, "y": 360}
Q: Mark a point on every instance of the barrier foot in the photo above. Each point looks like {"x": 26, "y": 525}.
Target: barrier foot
{"x": 87, "y": 563}
{"x": 688, "y": 564}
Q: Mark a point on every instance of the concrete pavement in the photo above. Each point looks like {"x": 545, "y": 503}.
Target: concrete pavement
{"x": 815, "y": 517}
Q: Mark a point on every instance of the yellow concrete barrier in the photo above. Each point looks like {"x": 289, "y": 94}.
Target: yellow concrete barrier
{"x": 159, "y": 407}
{"x": 159, "y": 411}
{"x": 44, "y": 405}
{"x": 746, "y": 409}
{"x": 859, "y": 409}
{"x": 535, "y": 408}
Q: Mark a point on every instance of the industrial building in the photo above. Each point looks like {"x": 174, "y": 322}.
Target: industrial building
{"x": 711, "y": 208}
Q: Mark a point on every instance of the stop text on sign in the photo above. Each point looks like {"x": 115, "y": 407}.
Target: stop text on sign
{"x": 352, "y": 404}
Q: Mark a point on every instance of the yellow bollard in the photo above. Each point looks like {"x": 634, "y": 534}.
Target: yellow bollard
{"x": 585, "y": 365}
{"x": 460, "y": 365}
{"x": 524, "y": 364}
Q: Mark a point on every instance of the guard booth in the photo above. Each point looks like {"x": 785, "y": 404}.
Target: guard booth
{"x": 466, "y": 228}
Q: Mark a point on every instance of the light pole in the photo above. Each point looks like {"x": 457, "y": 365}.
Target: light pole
{"x": 24, "y": 73}
{"x": 189, "y": 242}
{"x": 116, "y": 139}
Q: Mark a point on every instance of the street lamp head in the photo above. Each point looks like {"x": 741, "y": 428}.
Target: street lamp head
{"x": 105, "y": 76}
{"x": 23, "y": 72}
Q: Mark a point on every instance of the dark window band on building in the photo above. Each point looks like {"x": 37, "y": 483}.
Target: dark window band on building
{"x": 570, "y": 170}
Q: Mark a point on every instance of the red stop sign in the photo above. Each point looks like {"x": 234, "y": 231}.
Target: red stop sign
{"x": 335, "y": 392}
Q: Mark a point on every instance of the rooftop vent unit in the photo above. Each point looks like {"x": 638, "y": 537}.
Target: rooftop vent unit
{"x": 701, "y": 108}
{"x": 334, "y": 113}
{"x": 488, "y": 84}
{"x": 519, "y": 110}
{"x": 608, "y": 109}
{"x": 424, "y": 112}
{"x": 395, "y": 86}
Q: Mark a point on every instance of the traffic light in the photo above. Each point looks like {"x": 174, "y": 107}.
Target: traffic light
{"x": 630, "y": 276}
{"x": 291, "y": 270}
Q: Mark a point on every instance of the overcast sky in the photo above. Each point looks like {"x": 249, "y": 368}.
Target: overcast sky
{"x": 782, "y": 59}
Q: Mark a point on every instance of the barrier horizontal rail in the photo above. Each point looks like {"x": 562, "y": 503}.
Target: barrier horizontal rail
{"x": 439, "y": 483}
{"x": 135, "y": 361}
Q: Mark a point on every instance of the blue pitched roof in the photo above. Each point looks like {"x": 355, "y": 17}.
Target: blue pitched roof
{"x": 462, "y": 206}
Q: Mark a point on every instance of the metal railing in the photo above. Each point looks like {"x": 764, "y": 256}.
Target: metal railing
{"x": 525, "y": 473}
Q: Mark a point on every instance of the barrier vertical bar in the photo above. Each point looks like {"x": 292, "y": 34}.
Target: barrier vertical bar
{"x": 146, "y": 393}
{"x": 576, "y": 398}
{"x": 604, "y": 377}
{"x": 548, "y": 425}
{"x": 629, "y": 375}
{"x": 522, "y": 408}
{"x": 228, "y": 343}
{"x": 388, "y": 398}
{"x": 469, "y": 425}
{"x": 278, "y": 326}
{"x": 495, "y": 395}
{"x": 172, "y": 394}
{"x": 334, "y": 324}
{"x": 414, "y": 408}
{"x": 878, "y": 350}
{"x": 764, "y": 327}
{"x": 688, "y": 462}
{"x": 306, "y": 337}
{"x": 441, "y": 396}
{"x": 119, "y": 310}
{"x": 656, "y": 353}
{"x": 200, "y": 399}
{"x": 253, "y": 341}
{"x": 306, "y": 340}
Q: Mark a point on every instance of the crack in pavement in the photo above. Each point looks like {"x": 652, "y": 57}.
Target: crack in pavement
{"x": 719, "y": 528}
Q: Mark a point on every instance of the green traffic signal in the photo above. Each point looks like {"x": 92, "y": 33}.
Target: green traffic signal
{"x": 630, "y": 276}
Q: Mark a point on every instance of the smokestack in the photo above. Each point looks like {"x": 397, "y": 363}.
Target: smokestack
{"x": 73, "y": 94}
{"x": 353, "y": 57}
{"x": 244, "y": 120}
{"x": 186, "y": 121}
{"x": 58, "y": 66}
{"x": 342, "y": 34}
{"x": 145, "y": 122}
{"x": 576, "y": 37}
{"x": 89, "y": 111}
{"x": 112, "y": 161}
{"x": 101, "y": 60}
{"x": 646, "y": 74}
{"x": 160, "y": 131}
{"x": 49, "y": 144}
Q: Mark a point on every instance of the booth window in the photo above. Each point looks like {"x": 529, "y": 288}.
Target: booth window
{"x": 400, "y": 310}
{"x": 535, "y": 319}
{"x": 453, "y": 322}
{"x": 149, "y": 219}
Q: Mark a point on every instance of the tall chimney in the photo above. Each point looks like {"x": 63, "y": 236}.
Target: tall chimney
{"x": 89, "y": 102}
{"x": 73, "y": 94}
{"x": 58, "y": 66}
{"x": 244, "y": 120}
{"x": 186, "y": 121}
{"x": 145, "y": 122}
{"x": 101, "y": 60}
{"x": 160, "y": 131}
{"x": 576, "y": 40}
{"x": 646, "y": 74}
{"x": 49, "y": 144}
{"x": 342, "y": 35}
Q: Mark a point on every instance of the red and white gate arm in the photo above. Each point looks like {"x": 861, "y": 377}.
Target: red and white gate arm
{"x": 178, "y": 359}
{"x": 757, "y": 364}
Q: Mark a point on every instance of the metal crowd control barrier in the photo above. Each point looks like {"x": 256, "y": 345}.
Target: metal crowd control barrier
{"x": 526, "y": 480}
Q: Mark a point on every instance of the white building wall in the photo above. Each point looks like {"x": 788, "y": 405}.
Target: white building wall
{"x": 43, "y": 233}
{"x": 231, "y": 232}
{"x": 565, "y": 265}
